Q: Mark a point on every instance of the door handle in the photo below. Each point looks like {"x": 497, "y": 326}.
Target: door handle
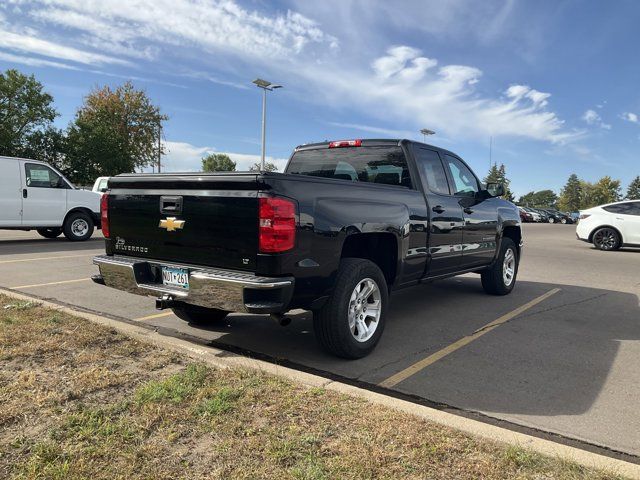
{"x": 25, "y": 193}
{"x": 438, "y": 209}
{"x": 468, "y": 210}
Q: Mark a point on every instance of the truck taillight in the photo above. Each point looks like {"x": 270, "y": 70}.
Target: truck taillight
{"x": 345, "y": 143}
{"x": 277, "y": 225}
{"x": 104, "y": 214}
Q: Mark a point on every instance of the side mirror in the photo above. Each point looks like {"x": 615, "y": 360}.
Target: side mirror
{"x": 103, "y": 189}
{"x": 495, "y": 189}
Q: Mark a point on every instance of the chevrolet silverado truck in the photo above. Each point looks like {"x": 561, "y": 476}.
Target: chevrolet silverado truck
{"x": 346, "y": 224}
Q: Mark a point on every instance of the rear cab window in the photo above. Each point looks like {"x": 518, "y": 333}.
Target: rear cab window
{"x": 372, "y": 164}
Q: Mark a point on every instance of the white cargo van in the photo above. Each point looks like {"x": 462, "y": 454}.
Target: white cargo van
{"x": 34, "y": 195}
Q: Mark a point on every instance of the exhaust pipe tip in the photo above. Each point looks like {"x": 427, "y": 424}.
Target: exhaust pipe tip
{"x": 280, "y": 319}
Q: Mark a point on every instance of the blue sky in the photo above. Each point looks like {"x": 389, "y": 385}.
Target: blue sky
{"x": 556, "y": 84}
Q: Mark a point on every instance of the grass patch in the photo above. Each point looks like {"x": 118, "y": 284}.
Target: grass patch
{"x": 80, "y": 401}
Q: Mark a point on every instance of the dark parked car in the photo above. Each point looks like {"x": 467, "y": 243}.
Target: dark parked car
{"x": 525, "y": 216}
{"x": 558, "y": 217}
{"x": 347, "y": 223}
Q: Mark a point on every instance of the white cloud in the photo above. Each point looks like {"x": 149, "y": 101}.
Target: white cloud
{"x": 185, "y": 157}
{"x": 630, "y": 117}
{"x": 400, "y": 86}
{"x": 593, "y": 118}
{"x": 225, "y": 26}
{"x": 388, "y": 132}
{"x": 28, "y": 43}
{"x": 33, "y": 62}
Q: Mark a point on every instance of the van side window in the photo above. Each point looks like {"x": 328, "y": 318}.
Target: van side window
{"x": 41, "y": 176}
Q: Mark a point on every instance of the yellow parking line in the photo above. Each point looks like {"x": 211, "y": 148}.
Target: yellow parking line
{"x": 151, "y": 317}
{"x": 52, "y": 283}
{"x": 431, "y": 359}
{"x": 44, "y": 258}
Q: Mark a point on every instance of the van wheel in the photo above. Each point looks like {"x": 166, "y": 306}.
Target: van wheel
{"x": 501, "y": 277}
{"x": 351, "y": 323}
{"x": 78, "y": 227}
{"x": 49, "y": 232}
{"x": 199, "y": 315}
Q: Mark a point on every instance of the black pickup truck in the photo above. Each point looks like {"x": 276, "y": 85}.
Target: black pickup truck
{"x": 347, "y": 223}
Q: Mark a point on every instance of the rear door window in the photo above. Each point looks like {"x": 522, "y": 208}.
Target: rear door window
{"x": 631, "y": 208}
{"x": 384, "y": 164}
{"x": 431, "y": 170}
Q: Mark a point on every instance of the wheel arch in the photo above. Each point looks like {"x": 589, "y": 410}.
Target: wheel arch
{"x": 380, "y": 248}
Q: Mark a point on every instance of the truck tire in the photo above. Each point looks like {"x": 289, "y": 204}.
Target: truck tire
{"x": 199, "y": 315}
{"x": 351, "y": 322}
{"x": 500, "y": 278}
{"x": 78, "y": 227}
{"x": 49, "y": 232}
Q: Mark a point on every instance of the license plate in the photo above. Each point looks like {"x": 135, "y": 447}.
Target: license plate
{"x": 175, "y": 277}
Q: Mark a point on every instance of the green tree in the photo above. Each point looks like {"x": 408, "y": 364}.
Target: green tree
{"x": 48, "y": 145}
{"x": 114, "y": 131}
{"x": 499, "y": 175}
{"x": 605, "y": 190}
{"x": 540, "y": 199}
{"x": 268, "y": 167}
{"x": 25, "y": 110}
{"x": 218, "y": 162}
{"x": 633, "y": 192}
{"x": 571, "y": 195}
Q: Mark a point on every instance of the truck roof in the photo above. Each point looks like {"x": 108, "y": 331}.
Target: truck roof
{"x": 370, "y": 142}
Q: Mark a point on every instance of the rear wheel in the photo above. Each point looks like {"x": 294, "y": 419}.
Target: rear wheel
{"x": 351, "y": 323}
{"x": 552, "y": 220}
{"x": 606, "y": 238}
{"x": 501, "y": 277}
{"x": 78, "y": 227}
{"x": 49, "y": 232}
{"x": 199, "y": 315}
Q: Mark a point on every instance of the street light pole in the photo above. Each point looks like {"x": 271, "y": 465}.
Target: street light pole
{"x": 264, "y": 85}
{"x": 264, "y": 127}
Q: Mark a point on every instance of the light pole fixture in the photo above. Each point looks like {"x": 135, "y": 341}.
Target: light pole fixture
{"x": 264, "y": 85}
{"x": 425, "y": 132}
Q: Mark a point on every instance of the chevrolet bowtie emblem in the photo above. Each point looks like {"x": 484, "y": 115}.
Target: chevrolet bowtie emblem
{"x": 171, "y": 224}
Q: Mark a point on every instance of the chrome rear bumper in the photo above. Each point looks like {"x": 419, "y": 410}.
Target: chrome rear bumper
{"x": 229, "y": 290}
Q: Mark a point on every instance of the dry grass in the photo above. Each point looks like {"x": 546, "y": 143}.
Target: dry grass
{"x": 79, "y": 401}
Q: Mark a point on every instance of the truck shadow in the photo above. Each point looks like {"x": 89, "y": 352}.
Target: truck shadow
{"x": 554, "y": 359}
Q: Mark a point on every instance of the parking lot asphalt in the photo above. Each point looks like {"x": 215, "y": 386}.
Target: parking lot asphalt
{"x": 561, "y": 354}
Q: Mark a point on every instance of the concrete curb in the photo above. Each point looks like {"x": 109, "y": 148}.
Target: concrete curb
{"x": 223, "y": 359}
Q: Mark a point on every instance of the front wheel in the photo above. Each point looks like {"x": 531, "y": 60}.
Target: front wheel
{"x": 563, "y": 221}
{"x": 606, "y": 239}
{"x": 500, "y": 278}
{"x": 78, "y": 227}
{"x": 199, "y": 315}
{"x": 351, "y": 323}
{"x": 552, "y": 220}
{"x": 49, "y": 232}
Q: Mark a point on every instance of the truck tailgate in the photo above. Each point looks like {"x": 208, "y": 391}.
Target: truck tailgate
{"x": 201, "y": 219}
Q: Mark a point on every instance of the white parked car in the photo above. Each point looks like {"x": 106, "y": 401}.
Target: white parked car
{"x": 611, "y": 226}
{"x": 34, "y": 195}
{"x": 100, "y": 185}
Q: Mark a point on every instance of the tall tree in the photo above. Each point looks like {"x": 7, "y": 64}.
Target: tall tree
{"x": 218, "y": 162}
{"x": 633, "y": 191}
{"x": 571, "y": 195}
{"x": 25, "y": 109}
{"x": 605, "y": 190}
{"x": 114, "y": 131}
{"x": 499, "y": 175}
{"x": 268, "y": 167}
